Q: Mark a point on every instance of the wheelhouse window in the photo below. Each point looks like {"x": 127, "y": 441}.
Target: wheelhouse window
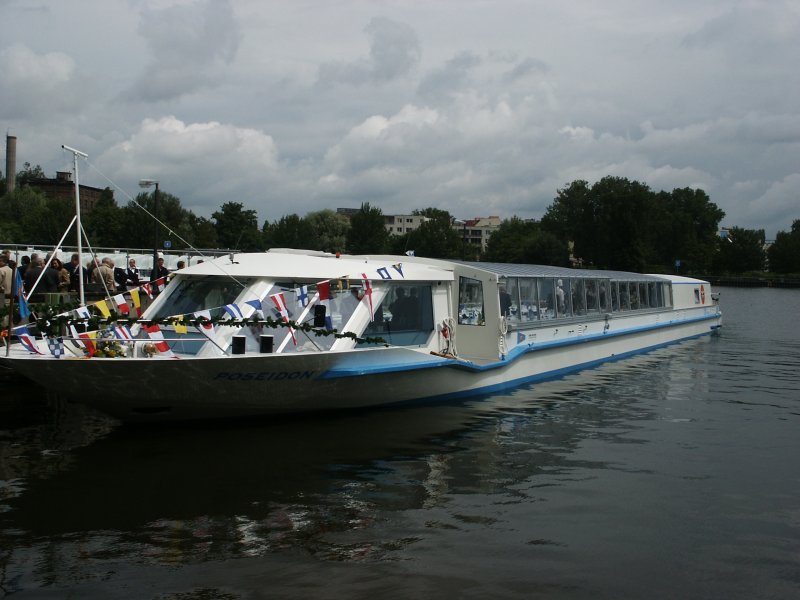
{"x": 404, "y": 316}
{"x": 470, "y": 302}
{"x": 193, "y": 294}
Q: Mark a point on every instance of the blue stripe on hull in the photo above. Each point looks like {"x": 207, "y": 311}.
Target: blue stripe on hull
{"x": 431, "y": 362}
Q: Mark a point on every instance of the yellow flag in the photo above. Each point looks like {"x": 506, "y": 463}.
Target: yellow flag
{"x": 135, "y": 297}
{"x": 103, "y": 308}
{"x": 180, "y": 327}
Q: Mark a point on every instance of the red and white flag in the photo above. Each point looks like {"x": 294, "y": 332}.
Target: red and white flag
{"x": 280, "y": 304}
{"x": 122, "y": 304}
{"x": 154, "y": 332}
{"x": 324, "y": 291}
{"x": 368, "y": 294}
{"x": 205, "y": 327}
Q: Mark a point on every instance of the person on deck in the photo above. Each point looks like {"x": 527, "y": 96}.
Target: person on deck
{"x": 160, "y": 270}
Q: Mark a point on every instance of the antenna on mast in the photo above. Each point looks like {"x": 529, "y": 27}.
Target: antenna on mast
{"x": 75, "y": 155}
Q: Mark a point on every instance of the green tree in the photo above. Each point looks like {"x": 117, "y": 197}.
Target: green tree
{"x": 142, "y": 231}
{"x": 784, "y": 253}
{"x": 526, "y": 242}
{"x": 367, "y": 233}
{"x": 329, "y": 230}
{"x": 105, "y": 223}
{"x": 237, "y": 227}
{"x": 290, "y": 231}
{"x": 435, "y": 238}
{"x": 741, "y": 251}
{"x": 36, "y": 218}
{"x": 203, "y": 234}
{"x": 29, "y": 173}
{"x": 622, "y": 237}
{"x": 690, "y": 231}
{"x": 571, "y": 217}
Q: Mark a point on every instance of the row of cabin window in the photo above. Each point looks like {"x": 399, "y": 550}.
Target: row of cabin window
{"x": 533, "y": 299}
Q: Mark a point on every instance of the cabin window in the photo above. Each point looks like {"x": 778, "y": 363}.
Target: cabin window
{"x": 529, "y": 300}
{"x": 563, "y": 300}
{"x": 603, "y": 295}
{"x": 653, "y": 288}
{"x": 644, "y": 301}
{"x": 614, "y": 296}
{"x": 591, "y": 295}
{"x": 192, "y": 294}
{"x": 470, "y": 302}
{"x": 578, "y": 296}
{"x": 405, "y": 316}
{"x": 509, "y": 304}
{"x": 624, "y": 297}
{"x": 547, "y": 298}
{"x": 633, "y": 295}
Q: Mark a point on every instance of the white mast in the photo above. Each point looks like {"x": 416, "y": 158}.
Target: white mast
{"x": 75, "y": 154}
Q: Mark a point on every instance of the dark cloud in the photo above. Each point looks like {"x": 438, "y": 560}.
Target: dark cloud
{"x": 190, "y": 45}
{"x": 394, "y": 52}
{"x": 452, "y": 77}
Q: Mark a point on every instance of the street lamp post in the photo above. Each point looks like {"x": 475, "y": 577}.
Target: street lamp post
{"x": 146, "y": 183}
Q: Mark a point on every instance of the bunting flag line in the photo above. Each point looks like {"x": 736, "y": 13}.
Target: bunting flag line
{"x": 22, "y": 301}
{"x": 368, "y": 294}
{"x": 83, "y": 312}
{"x": 27, "y": 340}
{"x": 122, "y": 305}
{"x": 160, "y": 284}
{"x": 154, "y": 332}
{"x": 181, "y": 328}
{"x": 343, "y": 283}
{"x": 234, "y": 311}
{"x": 302, "y": 295}
{"x": 147, "y": 290}
{"x": 137, "y": 304}
{"x": 56, "y": 347}
{"x": 280, "y": 304}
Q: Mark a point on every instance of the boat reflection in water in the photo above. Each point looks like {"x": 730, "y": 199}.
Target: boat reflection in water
{"x": 354, "y": 487}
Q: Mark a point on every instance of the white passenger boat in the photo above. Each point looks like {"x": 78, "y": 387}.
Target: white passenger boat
{"x": 416, "y": 329}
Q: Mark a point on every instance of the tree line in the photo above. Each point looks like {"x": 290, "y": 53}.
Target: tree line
{"x": 614, "y": 223}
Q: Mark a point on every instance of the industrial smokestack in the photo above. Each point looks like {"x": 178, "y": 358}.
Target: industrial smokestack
{"x": 11, "y": 163}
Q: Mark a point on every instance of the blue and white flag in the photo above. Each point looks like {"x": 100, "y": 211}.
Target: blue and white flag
{"x": 257, "y": 305}
{"x": 122, "y": 332}
{"x": 27, "y": 340}
{"x": 24, "y": 311}
{"x": 56, "y": 347}
{"x": 302, "y": 295}
{"x": 233, "y": 310}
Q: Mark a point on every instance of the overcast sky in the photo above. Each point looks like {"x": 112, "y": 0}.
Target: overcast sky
{"x": 478, "y": 107}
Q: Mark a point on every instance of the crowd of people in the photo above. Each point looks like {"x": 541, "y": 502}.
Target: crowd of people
{"x": 54, "y": 276}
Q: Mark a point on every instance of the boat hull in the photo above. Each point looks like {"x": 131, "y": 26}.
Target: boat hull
{"x": 149, "y": 390}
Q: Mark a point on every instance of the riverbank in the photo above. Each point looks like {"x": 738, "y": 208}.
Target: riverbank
{"x": 751, "y": 281}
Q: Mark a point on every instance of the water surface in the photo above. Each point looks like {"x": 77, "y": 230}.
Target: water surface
{"x": 669, "y": 475}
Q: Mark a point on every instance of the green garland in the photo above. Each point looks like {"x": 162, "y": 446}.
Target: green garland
{"x": 52, "y": 324}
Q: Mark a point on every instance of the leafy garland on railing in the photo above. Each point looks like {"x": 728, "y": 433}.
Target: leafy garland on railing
{"x": 52, "y": 324}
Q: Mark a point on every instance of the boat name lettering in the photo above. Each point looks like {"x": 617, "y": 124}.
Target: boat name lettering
{"x": 264, "y": 375}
